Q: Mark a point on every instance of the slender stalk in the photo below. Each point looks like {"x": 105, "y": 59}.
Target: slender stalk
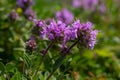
{"x": 42, "y": 59}
{"x": 71, "y": 46}
{"x": 68, "y": 50}
{"x": 23, "y": 67}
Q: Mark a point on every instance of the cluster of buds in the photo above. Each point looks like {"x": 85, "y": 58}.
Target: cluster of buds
{"x": 13, "y": 16}
{"x": 31, "y": 45}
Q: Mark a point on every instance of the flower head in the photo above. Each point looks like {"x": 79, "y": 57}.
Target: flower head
{"x": 39, "y": 28}
{"x": 85, "y": 34}
{"x": 65, "y": 16}
{"x": 25, "y": 3}
{"x": 85, "y": 4}
{"x": 55, "y": 30}
{"x": 31, "y": 45}
{"x": 30, "y": 14}
{"x": 13, "y": 16}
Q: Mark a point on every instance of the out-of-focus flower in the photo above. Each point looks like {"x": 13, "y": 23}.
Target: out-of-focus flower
{"x": 29, "y": 14}
{"x": 65, "y": 16}
{"x": 13, "y": 16}
{"x": 90, "y": 4}
{"x": 77, "y": 3}
{"x": 86, "y": 4}
{"x": 31, "y": 45}
{"x": 102, "y": 8}
{"x": 24, "y": 4}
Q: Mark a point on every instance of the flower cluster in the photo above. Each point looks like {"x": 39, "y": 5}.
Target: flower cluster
{"x": 26, "y": 5}
{"x": 57, "y": 31}
{"x": 13, "y": 16}
{"x": 65, "y": 16}
{"x": 85, "y": 34}
{"x": 31, "y": 45}
{"x": 30, "y": 14}
{"x": 89, "y": 4}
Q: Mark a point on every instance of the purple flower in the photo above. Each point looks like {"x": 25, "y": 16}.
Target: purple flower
{"x": 13, "y": 16}
{"x": 90, "y": 4}
{"x": 55, "y": 31}
{"x": 62, "y": 33}
{"x": 85, "y": 34}
{"x": 39, "y": 23}
{"x": 30, "y": 14}
{"x": 25, "y": 3}
{"x": 102, "y": 8}
{"x": 39, "y": 28}
{"x": 92, "y": 39}
{"x": 65, "y": 16}
{"x": 77, "y": 3}
{"x": 31, "y": 45}
{"x": 85, "y": 4}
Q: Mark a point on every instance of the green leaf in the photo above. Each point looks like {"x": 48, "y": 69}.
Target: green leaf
{"x": 2, "y": 78}
{"x": 2, "y": 68}
{"x": 17, "y": 76}
{"x": 10, "y": 67}
{"x": 58, "y": 62}
{"x": 27, "y": 60}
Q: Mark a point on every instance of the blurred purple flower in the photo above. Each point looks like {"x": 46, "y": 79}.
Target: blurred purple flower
{"x": 77, "y": 3}
{"x": 86, "y": 4}
{"x": 102, "y": 8}
{"x": 65, "y": 16}
{"x": 13, "y": 16}
{"x": 31, "y": 45}
{"x": 90, "y": 4}
{"x": 24, "y": 3}
{"x": 30, "y": 14}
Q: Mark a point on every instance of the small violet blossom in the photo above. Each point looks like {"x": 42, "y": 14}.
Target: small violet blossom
{"x": 86, "y": 4}
{"x": 31, "y": 45}
{"x": 29, "y": 14}
{"x": 24, "y": 4}
{"x": 102, "y": 8}
{"x": 65, "y": 16}
{"x": 89, "y": 5}
{"x": 55, "y": 31}
{"x": 85, "y": 34}
{"x": 13, "y": 16}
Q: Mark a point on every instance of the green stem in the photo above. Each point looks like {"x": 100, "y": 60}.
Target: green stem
{"x": 42, "y": 59}
{"x": 68, "y": 50}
